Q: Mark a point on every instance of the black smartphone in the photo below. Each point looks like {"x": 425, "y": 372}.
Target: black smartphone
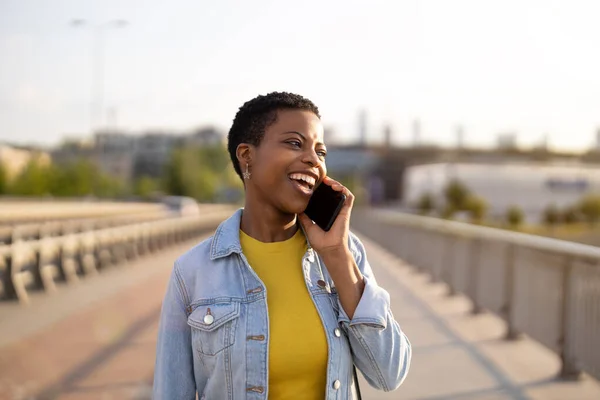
{"x": 324, "y": 206}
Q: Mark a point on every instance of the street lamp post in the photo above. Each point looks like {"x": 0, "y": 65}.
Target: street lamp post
{"x": 98, "y": 61}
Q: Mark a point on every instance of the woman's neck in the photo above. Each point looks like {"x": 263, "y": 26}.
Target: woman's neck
{"x": 266, "y": 224}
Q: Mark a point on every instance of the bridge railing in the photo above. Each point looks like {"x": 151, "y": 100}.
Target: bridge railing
{"x": 39, "y": 264}
{"x": 546, "y": 288}
{"x": 40, "y": 230}
{"x": 13, "y": 212}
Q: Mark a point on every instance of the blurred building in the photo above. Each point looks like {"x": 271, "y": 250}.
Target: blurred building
{"x": 329, "y": 137}
{"x": 152, "y": 152}
{"x": 460, "y": 137}
{"x": 131, "y": 156}
{"x": 114, "y": 141}
{"x": 205, "y": 137}
{"x": 362, "y": 128}
{"x": 71, "y": 151}
{"x": 14, "y": 159}
{"x": 114, "y": 153}
{"x": 387, "y": 136}
{"x": 506, "y": 141}
{"x": 416, "y": 128}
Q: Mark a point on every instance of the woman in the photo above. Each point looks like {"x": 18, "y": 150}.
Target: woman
{"x": 271, "y": 305}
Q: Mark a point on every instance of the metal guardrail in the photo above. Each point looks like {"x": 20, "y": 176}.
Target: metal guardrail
{"x": 546, "y": 288}
{"x": 39, "y": 264}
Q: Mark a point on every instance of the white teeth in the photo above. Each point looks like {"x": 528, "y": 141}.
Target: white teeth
{"x": 302, "y": 177}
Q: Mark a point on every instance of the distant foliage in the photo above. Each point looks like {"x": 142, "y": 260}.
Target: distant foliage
{"x": 448, "y": 212}
{"x": 571, "y": 215}
{"x": 426, "y": 204}
{"x": 514, "y": 216}
{"x": 203, "y": 173}
{"x": 147, "y": 187}
{"x": 3, "y": 180}
{"x": 476, "y": 207}
{"x": 460, "y": 198}
{"x": 457, "y": 194}
{"x": 76, "y": 179}
{"x": 552, "y": 215}
{"x": 590, "y": 208}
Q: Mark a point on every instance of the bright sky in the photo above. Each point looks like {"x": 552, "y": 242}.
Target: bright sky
{"x": 528, "y": 66}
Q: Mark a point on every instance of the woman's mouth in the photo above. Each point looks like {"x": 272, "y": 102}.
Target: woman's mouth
{"x": 304, "y": 183}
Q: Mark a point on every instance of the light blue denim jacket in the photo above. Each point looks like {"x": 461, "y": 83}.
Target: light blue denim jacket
{"x": 214, "y": 327}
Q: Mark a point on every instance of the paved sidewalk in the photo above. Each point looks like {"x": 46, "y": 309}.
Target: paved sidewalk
{"x": 96, "y": 340}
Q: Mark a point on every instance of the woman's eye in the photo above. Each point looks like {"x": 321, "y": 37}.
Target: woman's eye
{"x": 295, "y": 143}
{"x": 322, "y": 153}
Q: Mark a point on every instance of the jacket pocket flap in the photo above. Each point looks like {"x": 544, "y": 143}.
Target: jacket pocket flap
{"x": 208, "y": 317}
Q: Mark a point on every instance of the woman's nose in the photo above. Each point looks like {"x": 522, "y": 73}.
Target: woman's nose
{"x": 312, "y": 158}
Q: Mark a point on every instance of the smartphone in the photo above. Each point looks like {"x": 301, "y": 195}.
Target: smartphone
{"x": 324, "y": 206}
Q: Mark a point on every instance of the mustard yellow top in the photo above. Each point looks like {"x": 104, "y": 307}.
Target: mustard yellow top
{"x": 297, "y": 342}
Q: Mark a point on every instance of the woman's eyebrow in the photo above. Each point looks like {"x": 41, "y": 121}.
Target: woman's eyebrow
{"x": 302, "y": 136}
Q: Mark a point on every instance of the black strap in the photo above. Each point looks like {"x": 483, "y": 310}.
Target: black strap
{"x": 359, "y": 397}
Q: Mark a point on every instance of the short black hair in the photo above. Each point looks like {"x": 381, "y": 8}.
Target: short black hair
{"x": 256, "y": 115}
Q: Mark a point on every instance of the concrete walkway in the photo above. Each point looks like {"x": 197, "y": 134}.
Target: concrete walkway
{"x": 96, "y": 340}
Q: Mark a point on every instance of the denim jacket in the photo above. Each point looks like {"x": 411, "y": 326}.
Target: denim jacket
{"x": 214, "y": 327}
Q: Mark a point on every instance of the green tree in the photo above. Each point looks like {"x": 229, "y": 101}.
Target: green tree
{"x": 173, "y": 179}
{"x": 34, "y": 180}
{"x": 476, "y": 207}
{"x": 590, "y": 208}
{"x": 426, "y": 203}
{"x": 74, "y": 179}
{"x": 108, "y": 187}
{"x": 456, "y": 194}
{"x": 448, "y": 211}
{"x": 202, "y": 173}
{"x": 514, "y": 216}
{"x": 551, "y": 215}
{"x": 570, "y": 215}
{"x": 146, "y": 186}
{"x": 3, "y": 179}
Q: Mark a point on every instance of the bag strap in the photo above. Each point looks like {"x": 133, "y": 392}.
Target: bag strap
{"x": 359, "y": 396}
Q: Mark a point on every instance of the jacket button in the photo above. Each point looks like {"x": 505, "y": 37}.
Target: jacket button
{"x": 209, "y": 319}
{"x": 321, "y": 283}
{"x": 337, "y": 332}
{"x": 337, "y": 384}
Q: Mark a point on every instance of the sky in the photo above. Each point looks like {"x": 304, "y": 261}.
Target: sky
{"x": 526, "y": 66}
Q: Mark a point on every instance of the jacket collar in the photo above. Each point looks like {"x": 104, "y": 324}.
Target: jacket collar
{"x": 226, "y": 239}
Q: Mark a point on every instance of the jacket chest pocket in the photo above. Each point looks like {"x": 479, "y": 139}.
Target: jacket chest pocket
{"x": 213, "y": 327}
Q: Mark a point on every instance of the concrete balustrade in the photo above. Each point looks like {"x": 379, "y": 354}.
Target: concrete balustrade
{"x": 545, "y": 288}
{"x": 27, "y": 265}
{"x": 35, "y": 231}
{"x": 22, "y": 211}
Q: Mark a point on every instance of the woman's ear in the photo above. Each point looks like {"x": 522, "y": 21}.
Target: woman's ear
{"x": 244, "y": 153}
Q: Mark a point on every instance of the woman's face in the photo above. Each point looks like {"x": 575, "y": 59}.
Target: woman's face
{"x": 289, "y": 162}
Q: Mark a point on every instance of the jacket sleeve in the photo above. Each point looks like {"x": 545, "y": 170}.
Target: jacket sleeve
{"x": 380, "y": 350}
{"x": 174, "y": 367}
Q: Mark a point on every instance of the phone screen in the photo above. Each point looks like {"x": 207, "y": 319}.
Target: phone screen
{"x": 324, "y": 206}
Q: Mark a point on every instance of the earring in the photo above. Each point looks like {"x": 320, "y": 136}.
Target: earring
{"x": 247, "y": 173}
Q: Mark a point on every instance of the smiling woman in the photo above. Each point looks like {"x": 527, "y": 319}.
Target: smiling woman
{"x": 271, "y": 306}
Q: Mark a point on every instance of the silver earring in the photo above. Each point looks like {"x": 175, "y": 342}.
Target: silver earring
{"x": 247, "y": 173}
